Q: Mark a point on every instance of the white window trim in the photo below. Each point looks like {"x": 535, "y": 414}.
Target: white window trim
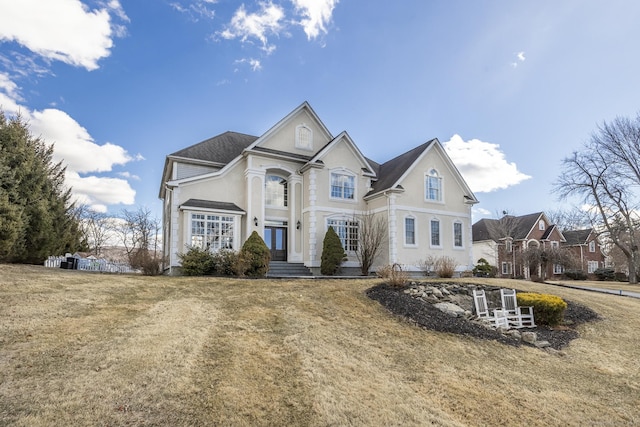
{"x": 345, "y": 172}
{"x": 235, "y": 220}
{"x": 426, "y": 187}
{"x": 453, "y": 231}
{"x": 592, "y": 266}
{"x": 507, "y": 268}
{"x": 555, "y": 244}
{"x": 558, "y": 269}
{"x": 347, "y": 219}
{"x": 592, "y": 246}
{"x": 415, "y": 231}
{"x": 431, "y": 245}
{"x": 541, "y": 225}
{"x": 508, "y": 245}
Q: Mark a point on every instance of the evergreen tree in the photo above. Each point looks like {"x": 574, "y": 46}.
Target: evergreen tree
{"x": 256, "y": 255}
{"x": 333, "y": 253}
{"x": 36, "y": 215}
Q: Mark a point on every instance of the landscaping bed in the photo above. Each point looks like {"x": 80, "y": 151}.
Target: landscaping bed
{"x": 402, "y": 301}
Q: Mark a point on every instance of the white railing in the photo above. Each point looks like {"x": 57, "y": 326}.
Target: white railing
{"x": 91, "y": 264}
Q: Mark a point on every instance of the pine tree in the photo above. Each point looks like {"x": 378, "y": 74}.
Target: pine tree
{"x": 333, "y": 253}
{"x": 36, "y": 214}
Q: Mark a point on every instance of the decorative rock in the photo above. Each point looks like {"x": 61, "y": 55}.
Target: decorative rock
{"x": 542, "y": 344}
{"x": 437, "y": 292}
{"x": 529, "y": 337}
{"x": 515, "y": 333}
{"x": 450, "y": 309}
{"x": 445, "y": 291}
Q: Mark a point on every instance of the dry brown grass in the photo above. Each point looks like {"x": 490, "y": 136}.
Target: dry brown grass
{"x": 89, "y": 349}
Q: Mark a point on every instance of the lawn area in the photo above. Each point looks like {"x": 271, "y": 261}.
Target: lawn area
{"x": 93, "y": 349}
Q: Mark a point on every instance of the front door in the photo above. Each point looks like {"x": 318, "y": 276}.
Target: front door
{"x": 276, "y": 240}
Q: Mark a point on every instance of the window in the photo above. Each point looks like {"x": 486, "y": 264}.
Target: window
{"x": 506, "y": 268}
{"x": 304, "y": 137}
{"x": 555, "y": 245}
{"x": 592, "y": 266}
{"x": 508, "y": 246}
{"x": 592, "y": 246}
{"x": 558, "y": 269}
{"x": 347, "y": 231}
{"x": 541, "y": 225}
{"x": 275, "y": 191}
{"x": 342, "y": 186}
{"x": 409, "y": 231}
{"x": 212, "y": 232}
{"x": 457, "y": 235}
{"x": 435, "y": 232}
{"x": 433, "y": 186}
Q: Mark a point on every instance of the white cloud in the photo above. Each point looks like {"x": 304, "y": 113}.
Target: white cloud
{"x": 76, "y": 148}
{"x": 255, "y": 64}
{"x": 483, "y": 165}
{"x": 316, "y": 14}
{"x": 74, "y": 145}
{"x": 246, "y": 26}
{"x": 196, "y": 9}
{"x": 62, "y": 30}
{"x": 519, "y": 58}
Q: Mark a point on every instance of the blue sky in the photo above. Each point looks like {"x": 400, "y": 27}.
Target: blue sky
{"x": 509, "y": 87}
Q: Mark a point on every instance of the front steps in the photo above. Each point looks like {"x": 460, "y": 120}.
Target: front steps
{"x": 285, "y": 269}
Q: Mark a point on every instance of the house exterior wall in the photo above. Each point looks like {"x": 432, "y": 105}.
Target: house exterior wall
{"x": 310, "y": 201}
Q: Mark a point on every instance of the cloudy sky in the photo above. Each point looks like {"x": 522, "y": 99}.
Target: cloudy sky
{"x": 509, "y": 87}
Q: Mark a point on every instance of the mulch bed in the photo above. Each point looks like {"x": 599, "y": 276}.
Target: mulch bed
{"x": 427, "y": 316}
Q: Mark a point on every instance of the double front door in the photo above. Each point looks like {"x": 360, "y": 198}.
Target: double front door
{"x": 276, "y": 240}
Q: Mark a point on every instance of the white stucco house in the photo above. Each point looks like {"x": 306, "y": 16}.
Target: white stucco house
{"x": 297, "y": 179}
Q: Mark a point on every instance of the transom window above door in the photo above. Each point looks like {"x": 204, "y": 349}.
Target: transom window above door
{"x": 275, "y": 191}
{"x": 342, "y": 186}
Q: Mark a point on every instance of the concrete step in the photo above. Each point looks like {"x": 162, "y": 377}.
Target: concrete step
{"x": 284, "y": 269}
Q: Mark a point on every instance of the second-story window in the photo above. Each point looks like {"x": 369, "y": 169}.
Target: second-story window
{"x": 342, "y": 186}
{"x": 433, "y": 184}
{"x": 275, "y": 191}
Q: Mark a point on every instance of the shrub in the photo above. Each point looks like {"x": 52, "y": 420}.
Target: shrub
{"x": 483, "y": 269}
{"x": 256, "y": 255}
{"x": 225, "y": 262}
{"x": 333, "y": 254}
{"x": 196, "y": 262}
{"x": 621, "y": 277}
{"x": 605, "y": 274}
{"x": 547, "y": 309}
{"x": 427, "y": 265}
{"x": 393, "y": 275}
{"x": 445, "y": 267}
{"x": 576, "y": 274}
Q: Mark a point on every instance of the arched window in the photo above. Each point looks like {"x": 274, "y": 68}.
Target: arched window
{"x": 304, "y": 137}
{"x": 275, "y": 191}
{"x": 433, "y": 186}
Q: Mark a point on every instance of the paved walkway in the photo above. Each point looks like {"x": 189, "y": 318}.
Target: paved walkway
{"x": 602, "y": 290}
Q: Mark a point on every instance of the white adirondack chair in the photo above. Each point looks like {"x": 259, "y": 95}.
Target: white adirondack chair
{"x": 518, "y": 317}
{"x": 496, "y": 318}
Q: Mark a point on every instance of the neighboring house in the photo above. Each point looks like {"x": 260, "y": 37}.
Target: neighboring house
{"x": 501, "y": 241}
{"x": 296, "y": 180}
{"x": 586, "y": 248}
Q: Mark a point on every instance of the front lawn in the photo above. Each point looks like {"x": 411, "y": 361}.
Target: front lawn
{"x": 92, "y": 349}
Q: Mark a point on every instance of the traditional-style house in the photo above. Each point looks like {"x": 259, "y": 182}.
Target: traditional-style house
{"x": 296, "y": 180}
{"x": 585, "y": 246}
{"x": 502, "y": 241}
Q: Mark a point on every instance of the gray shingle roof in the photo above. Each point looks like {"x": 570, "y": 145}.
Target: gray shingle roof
{"x": 390, "y": 172}
{"x": 577, "y": 237}
{"x": 220, "y": 149}
{"x": 210, "y": 204}
{"x": 517, "y": 227}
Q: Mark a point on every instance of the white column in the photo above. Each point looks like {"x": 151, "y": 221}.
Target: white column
{"x": 393, "y": 230}
{"x": 313, "y": 228}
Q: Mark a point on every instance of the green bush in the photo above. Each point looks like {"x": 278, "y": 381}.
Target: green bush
{"x": 547, "y": 309}
{"x": 483, "y": 269}
{"x": 605, "y": 274}
{"x": 225, "y": 262}
{"x": 197, "y": 262}
{"x": 254, "y": 257}
{"x": 333, "y": 254}
{"x": 576, "y": 274}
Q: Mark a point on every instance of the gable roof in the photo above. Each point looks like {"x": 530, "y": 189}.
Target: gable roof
{"x": 220, "y": 149}
{"x": 577, "y": 237}
{"x": 518, "y": 227}
{"x": 344, "y": 136}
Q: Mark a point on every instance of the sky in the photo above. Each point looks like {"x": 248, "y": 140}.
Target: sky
{"x": 510, "y": 88}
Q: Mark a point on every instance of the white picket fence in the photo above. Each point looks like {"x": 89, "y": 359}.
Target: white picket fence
{"x": 91, "y": 264}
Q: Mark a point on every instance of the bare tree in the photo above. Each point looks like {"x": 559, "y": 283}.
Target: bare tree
{"x": 139, "y": 233}
{"x": 569, "y": 219}
{"x": 605, "y": 175}
{"x": 97, "y": 228}
{"x": 545, "y": 256}
{"x": 372, "y": 234}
